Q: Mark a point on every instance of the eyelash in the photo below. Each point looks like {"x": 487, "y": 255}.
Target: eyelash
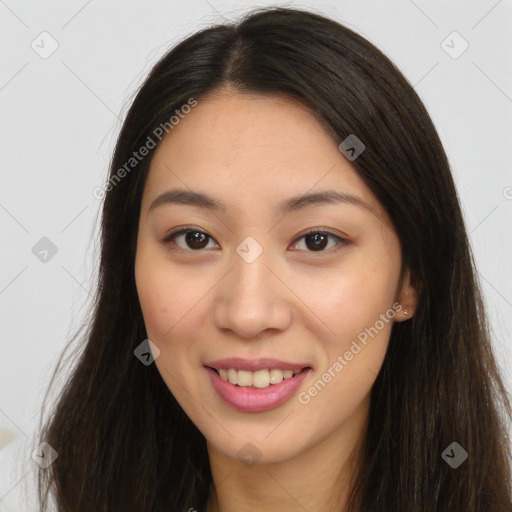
{"x": 171, "y": 236}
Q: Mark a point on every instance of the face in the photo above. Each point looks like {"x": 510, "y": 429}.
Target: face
{"x": 242, "y": 278}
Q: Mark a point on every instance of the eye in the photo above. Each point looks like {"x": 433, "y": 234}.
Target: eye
{"x": 194, "y": 239}
{"x": 317, "y": 241}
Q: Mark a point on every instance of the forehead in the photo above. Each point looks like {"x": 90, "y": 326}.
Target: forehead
{"x": 247, "y": 148}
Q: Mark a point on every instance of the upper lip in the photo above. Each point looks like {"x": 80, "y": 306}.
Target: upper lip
{"x": 253, "y": 365}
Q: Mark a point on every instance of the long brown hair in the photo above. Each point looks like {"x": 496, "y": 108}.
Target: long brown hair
{"x": 123, "y": 441}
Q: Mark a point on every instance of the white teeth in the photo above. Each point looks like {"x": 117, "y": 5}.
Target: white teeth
{"x": 276, "y": 376}
{"x": 244, "y": 378}
{"x": 232, "y": 376}
{"x": 259, "y": 379}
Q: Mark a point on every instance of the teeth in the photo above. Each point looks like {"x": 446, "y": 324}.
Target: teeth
{"x": 276, "y": 376}
{"x": 232, "y": 376}
{"x": 244, "y": 378}
{"x": 259, "y": 379}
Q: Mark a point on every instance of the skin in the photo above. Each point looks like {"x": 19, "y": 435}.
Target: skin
{"x": 292, "y": 303}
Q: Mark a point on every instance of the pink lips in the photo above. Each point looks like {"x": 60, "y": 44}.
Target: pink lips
{"x": 251, "y": 399}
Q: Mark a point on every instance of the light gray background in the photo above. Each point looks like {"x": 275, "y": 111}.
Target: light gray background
{"x": 61, "y": 114}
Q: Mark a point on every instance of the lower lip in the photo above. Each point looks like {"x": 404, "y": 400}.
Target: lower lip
{"x": 250, "y": 399}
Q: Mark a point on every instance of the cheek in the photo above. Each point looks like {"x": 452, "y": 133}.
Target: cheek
{"x": 164, "y": 296}
{"x": 352, "y": 299}
{"x": 351, "y": 302}
{"x": 351, "y": 306}
{"x": 167, "y": 305}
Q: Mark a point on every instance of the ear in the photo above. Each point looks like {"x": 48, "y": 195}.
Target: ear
{"x": 407, "y": 297}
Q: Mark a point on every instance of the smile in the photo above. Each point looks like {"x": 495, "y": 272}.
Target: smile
{"x": 257, "y": 389}
{"x": 260, "y": 379}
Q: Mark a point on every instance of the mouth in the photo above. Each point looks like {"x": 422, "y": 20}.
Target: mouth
{"x": 256, "y": 391}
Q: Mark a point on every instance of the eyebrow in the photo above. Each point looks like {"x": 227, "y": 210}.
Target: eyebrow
{"x": 198, "y": 199}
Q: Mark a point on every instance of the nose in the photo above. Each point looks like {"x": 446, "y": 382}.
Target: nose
{"x": 251, "y": 299}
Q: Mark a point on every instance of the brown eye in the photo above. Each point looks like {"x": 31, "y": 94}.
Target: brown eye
{"x": 193, "y": 239}
{"x": 317, "y": 241}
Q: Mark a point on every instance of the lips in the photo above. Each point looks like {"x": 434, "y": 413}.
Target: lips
{"x": 259, "y": 394}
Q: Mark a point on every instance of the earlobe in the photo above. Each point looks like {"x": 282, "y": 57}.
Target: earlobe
{"x": 404, "y": 314}
{"x": 408, "y": 298}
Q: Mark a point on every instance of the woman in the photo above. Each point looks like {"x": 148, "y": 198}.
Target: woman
{"x": 287, "y": 315}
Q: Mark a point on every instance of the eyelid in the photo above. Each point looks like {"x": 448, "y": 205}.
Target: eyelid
{"x": 184, "y": 229}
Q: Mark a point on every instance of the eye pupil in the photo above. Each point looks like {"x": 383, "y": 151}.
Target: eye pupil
{"x": 196, "y": 239}
{"x": 319, "y": 241}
